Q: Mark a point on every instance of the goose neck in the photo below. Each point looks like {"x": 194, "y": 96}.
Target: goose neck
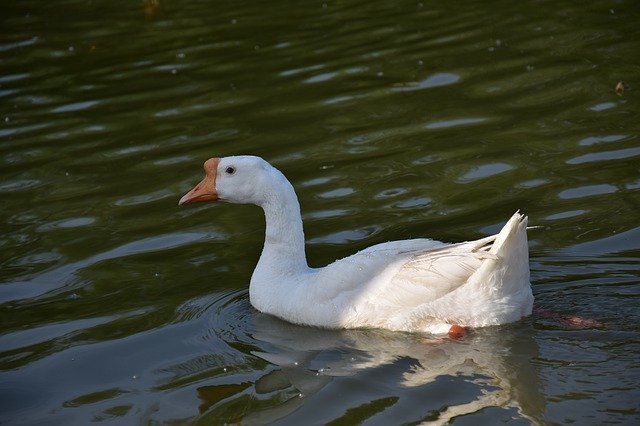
{"x": 284, "y": 234}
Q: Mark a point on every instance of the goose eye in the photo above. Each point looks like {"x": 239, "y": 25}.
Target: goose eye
{"x": 230, "y": 170}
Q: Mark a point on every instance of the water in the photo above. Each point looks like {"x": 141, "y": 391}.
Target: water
{"x": 393, "y": 120}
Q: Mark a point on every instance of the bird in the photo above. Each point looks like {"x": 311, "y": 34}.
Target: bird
{"x": 411, "y": 285}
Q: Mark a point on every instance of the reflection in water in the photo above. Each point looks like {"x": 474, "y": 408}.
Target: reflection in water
{"x": 490, "y": 368}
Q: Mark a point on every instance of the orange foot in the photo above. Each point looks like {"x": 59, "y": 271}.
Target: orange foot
{"x": 457, "y": 332}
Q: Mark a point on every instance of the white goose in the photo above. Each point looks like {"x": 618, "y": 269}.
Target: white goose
{"x": 409, "y": 285}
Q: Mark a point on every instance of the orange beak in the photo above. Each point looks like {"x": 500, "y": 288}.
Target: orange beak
{"x": 206, "y": 189}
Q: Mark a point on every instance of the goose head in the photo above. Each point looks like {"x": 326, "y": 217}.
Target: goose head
{"x": 240, "y": 179}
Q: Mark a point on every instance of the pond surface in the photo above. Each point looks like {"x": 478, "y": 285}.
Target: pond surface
{"x": 393, "y": 119}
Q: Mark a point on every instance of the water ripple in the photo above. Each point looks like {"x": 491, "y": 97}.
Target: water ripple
{"x": 453, "y": 123}
{"x": 344, "y": 237}
{"x": 435, "y": 80}
{"x": 596, "y": 140}
{"x": 605, "y": 156}
{"x": 587, "y": 191}
{"x": 59, "y": 277}
{"x": 76, "y": 106}
{"x": 485, "y": 171}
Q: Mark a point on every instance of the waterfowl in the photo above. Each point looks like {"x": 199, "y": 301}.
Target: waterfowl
{"x": 416, "y": 285}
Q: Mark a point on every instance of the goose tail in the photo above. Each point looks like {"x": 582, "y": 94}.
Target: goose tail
{"x": 513, "y": 235}
{"x": 508, "y": 278}
{"x": 500, "y": 287}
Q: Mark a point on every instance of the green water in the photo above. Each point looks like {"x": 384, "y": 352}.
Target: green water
{"x": 393, "y": 119}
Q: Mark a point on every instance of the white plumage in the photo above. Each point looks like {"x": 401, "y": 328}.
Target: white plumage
{"x": 408, "y": 285}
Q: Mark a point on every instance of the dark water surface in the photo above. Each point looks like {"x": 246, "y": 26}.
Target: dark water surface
{"x": 393, "y": 119}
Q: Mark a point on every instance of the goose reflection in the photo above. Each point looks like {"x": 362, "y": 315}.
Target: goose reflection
{"x": 489, "y": 368}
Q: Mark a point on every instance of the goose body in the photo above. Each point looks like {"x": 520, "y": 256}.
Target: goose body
{"x": 408, "y": 285}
